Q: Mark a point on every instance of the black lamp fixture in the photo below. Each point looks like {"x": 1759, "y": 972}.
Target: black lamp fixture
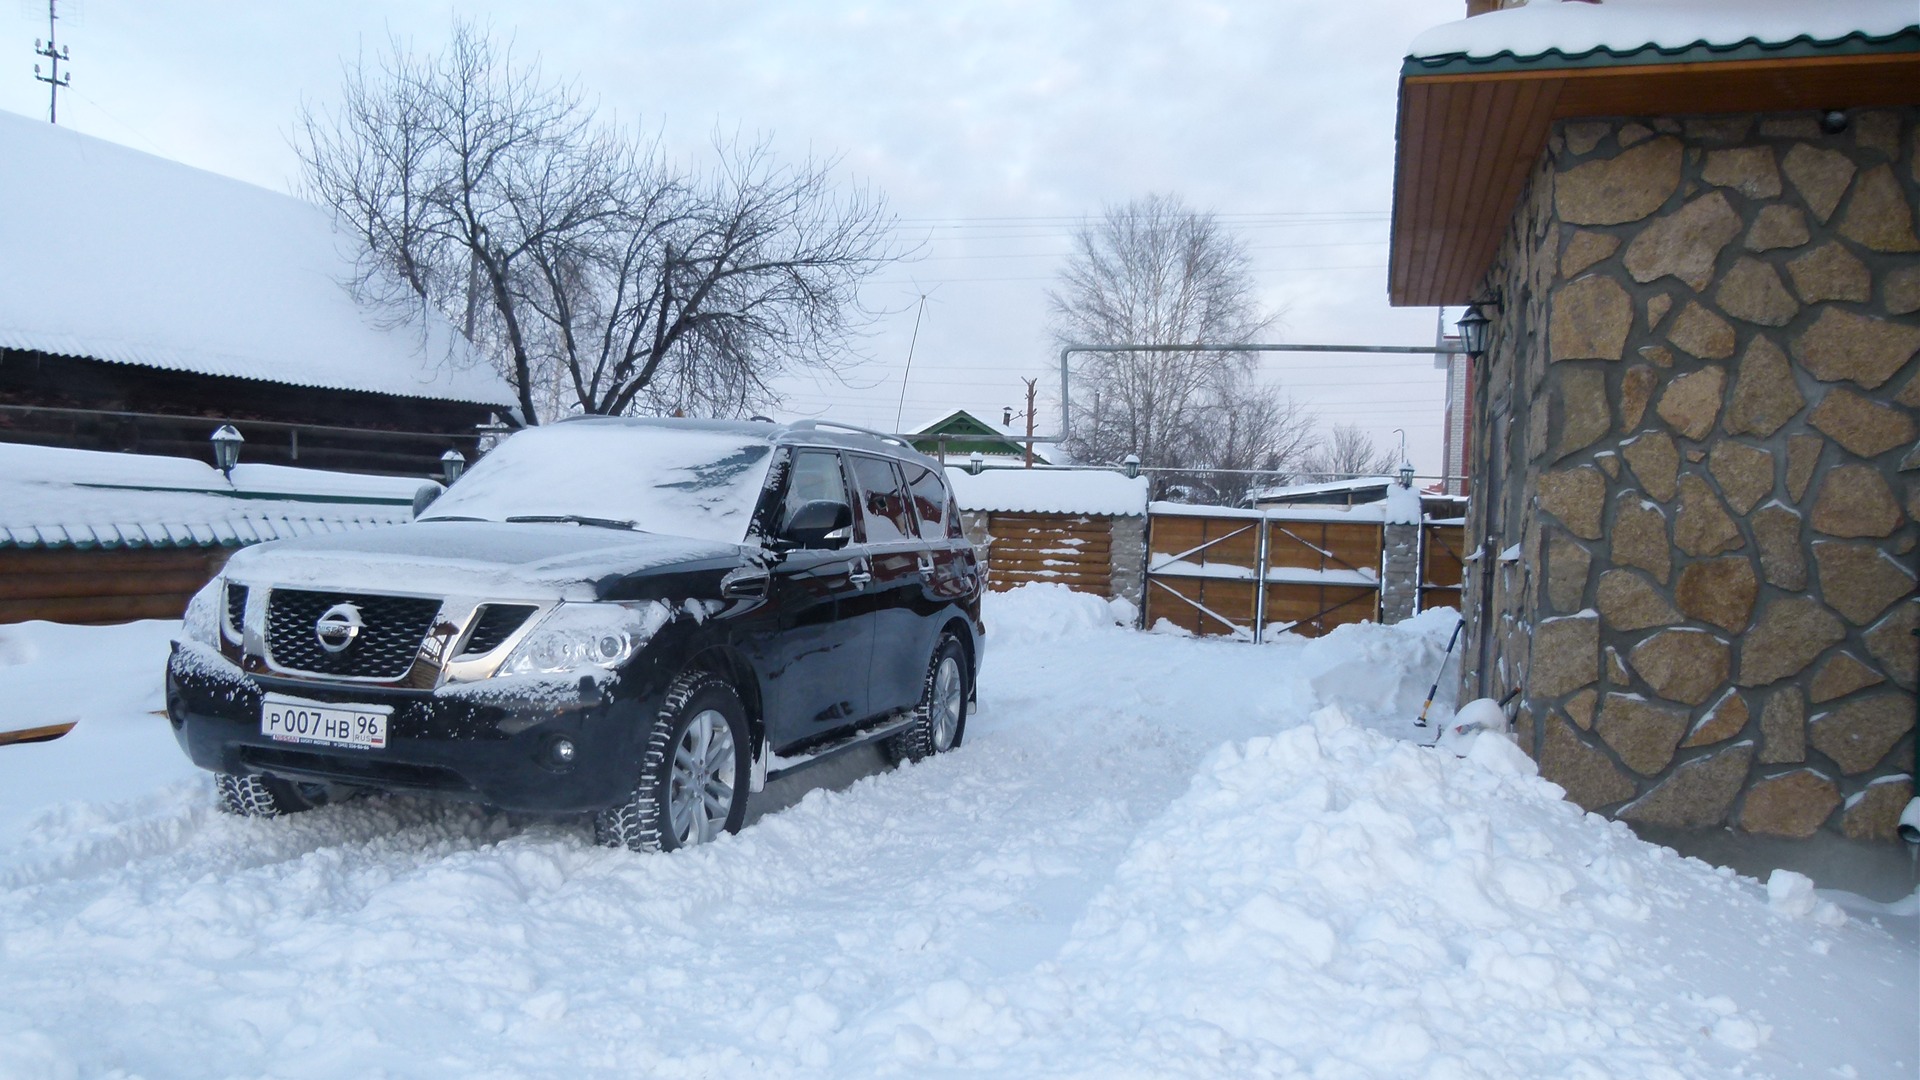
{"x": 975, "y": 462}
{"x": 226, "y": 449}
{"x": 1131, "y": 464}
{"x": 1406, "y": 474}
{"x": 452, "y": 464}
{"x": 1473, "y": 332}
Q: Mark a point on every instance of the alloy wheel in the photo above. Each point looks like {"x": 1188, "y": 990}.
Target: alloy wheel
{"x": 948, "y": 695}
{"x": 700, "y": 790}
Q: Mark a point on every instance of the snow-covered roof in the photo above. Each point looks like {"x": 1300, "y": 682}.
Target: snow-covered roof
{"x": 1328, "y": 487}
{"x": 1575, "y": 29}
{"x": 116, "y": 255}
{"x": 1050, "y": 491}
{"x": 55, "y": 497}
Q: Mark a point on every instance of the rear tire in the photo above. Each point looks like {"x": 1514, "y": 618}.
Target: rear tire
{"x": 940, "y": 719}
{"x": 693, "y": 774}
{"x": 262, "y": 796}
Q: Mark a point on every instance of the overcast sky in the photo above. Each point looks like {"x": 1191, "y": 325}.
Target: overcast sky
{"x": 992, "y": 128}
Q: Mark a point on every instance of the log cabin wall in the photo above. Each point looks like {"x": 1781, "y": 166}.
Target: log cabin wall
{"x": 103, "y": 585}
{"x": 87, "y": 404}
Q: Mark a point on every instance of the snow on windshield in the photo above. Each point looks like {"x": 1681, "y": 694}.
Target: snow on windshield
{"x": 697, "y": 484}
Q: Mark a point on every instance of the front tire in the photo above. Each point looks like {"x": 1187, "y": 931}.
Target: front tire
{"x": 693, "y": 775}
{"x": 940, "y": 719}
{"x": 262, "y": 796}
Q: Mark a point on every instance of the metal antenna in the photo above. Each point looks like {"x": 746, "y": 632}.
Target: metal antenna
{"x": 56, "y": 55}
{"x": 902, "y": 407}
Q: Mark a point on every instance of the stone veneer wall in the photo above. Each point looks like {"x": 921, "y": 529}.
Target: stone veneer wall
{"x": 1691, "y": 427}
{"x": 1400, "y": 577}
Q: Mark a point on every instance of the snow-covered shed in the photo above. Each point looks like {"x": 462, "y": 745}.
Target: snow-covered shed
{"x": 1688, "y": 230}
{"x": 93, "y": 537}
{"x": 143, "y": 302}
{"x": 1083, "y": 528}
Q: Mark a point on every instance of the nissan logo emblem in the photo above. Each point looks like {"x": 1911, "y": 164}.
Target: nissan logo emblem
{"x": 338, "y": 628}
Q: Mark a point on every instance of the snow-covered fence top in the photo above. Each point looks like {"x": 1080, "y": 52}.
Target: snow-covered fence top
{"x": 1625, "y": 26}
{"x": 52, "y": 497}
{"x": 1091, "y": 492}
{"x": 1401, "y": 506}
{"x": 115, "y": 255}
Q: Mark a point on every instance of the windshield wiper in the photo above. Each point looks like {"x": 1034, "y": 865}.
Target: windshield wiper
{"x": 577, "y": 519}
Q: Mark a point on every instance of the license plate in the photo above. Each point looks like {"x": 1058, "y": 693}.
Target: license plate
{"x": 290, "y": 720}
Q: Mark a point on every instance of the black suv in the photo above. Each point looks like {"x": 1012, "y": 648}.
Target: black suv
{"x": 644, "y": 620}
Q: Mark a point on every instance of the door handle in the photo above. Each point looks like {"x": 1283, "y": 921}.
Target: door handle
{"x": 860, "y": 575}
{"x": 926, "y": 563}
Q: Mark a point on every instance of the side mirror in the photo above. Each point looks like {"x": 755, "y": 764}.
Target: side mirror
{"x": 423, "y": 497}
{"x": 816, "y": 523}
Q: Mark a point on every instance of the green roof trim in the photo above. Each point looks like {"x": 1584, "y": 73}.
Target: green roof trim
{"x": 1856, "y": 44}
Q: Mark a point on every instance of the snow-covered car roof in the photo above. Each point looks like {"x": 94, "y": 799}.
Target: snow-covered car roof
{"x": 116, "y": 255}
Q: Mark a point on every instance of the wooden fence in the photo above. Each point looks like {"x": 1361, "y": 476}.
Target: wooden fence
{"x": 103, "y": 585}
{"x": 1441, "y": 568}
{"x": 1075, "y": 550}
{"x": 1249, "y": 573}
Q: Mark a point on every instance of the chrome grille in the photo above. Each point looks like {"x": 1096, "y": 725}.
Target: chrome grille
{"x": 495, "y": 624}
{"x": 392, "y": 628}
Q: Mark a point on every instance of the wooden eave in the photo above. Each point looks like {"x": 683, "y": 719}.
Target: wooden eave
{"x": 1467, "y": 142}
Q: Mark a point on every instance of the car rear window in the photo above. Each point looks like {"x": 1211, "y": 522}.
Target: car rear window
{"x": 883, "y": 500}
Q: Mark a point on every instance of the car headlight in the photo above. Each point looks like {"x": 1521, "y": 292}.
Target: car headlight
{"x": 580, "y": 636}
{"x": 202, "y": 621}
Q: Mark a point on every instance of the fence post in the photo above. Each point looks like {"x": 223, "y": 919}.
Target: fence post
{"x": 1260, "y": 584}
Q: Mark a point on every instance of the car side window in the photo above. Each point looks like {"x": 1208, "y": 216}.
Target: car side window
{"x": 929, "y": 502}
{"x": 883, "y": 500}
{"x": 815, "y": 475}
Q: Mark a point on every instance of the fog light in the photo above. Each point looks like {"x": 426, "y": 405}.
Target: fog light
{"x": 560, "y": 751}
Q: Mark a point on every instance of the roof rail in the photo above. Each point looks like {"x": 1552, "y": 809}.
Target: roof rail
{"x": 837, "y": 426}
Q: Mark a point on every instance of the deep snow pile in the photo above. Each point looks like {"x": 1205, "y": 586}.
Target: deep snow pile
{"x": 1154, "y": 856}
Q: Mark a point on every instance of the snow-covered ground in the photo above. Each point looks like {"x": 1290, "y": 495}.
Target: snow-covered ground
{"x": 1154, "y": 856}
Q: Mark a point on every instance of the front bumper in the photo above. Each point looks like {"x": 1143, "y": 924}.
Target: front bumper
{"x": 494, "y": 750}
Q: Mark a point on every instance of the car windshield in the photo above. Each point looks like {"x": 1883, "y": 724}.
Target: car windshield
{"x": 681, "y": 482}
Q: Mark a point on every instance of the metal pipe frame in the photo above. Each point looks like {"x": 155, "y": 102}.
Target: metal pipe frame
{"x": 1066, "y": 411}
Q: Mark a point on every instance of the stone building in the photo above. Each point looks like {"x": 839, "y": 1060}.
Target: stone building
{"x": 1694, "y": 507}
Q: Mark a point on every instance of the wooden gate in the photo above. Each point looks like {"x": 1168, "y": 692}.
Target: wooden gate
{"x": 1441, "y": 568}
{"x": 1250, "y": 573}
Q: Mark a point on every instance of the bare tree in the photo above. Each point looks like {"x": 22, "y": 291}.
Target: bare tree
{"x": 1346, "y": 451}
{"x": 604, "y": 278}
{"x": 1155, "y": 272}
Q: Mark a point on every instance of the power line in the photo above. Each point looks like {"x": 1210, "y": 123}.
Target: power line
{"x": 1051, "y": 277}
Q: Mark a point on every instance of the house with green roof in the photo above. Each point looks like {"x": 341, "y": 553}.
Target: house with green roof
{"x": 1689, "y": 228}
{"x": 967, "y": 433}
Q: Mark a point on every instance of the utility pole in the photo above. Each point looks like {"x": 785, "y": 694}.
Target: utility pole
{"x": 56, "y": 55}
{"x": 1006, "y": 418}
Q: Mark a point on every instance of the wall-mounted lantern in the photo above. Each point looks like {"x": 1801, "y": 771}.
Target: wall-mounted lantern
{"x": 452, "y": 464}
{"x": 1131, "y": 465}
{"x": 226, "y": 449}
{"x": 1473, "y": 332}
